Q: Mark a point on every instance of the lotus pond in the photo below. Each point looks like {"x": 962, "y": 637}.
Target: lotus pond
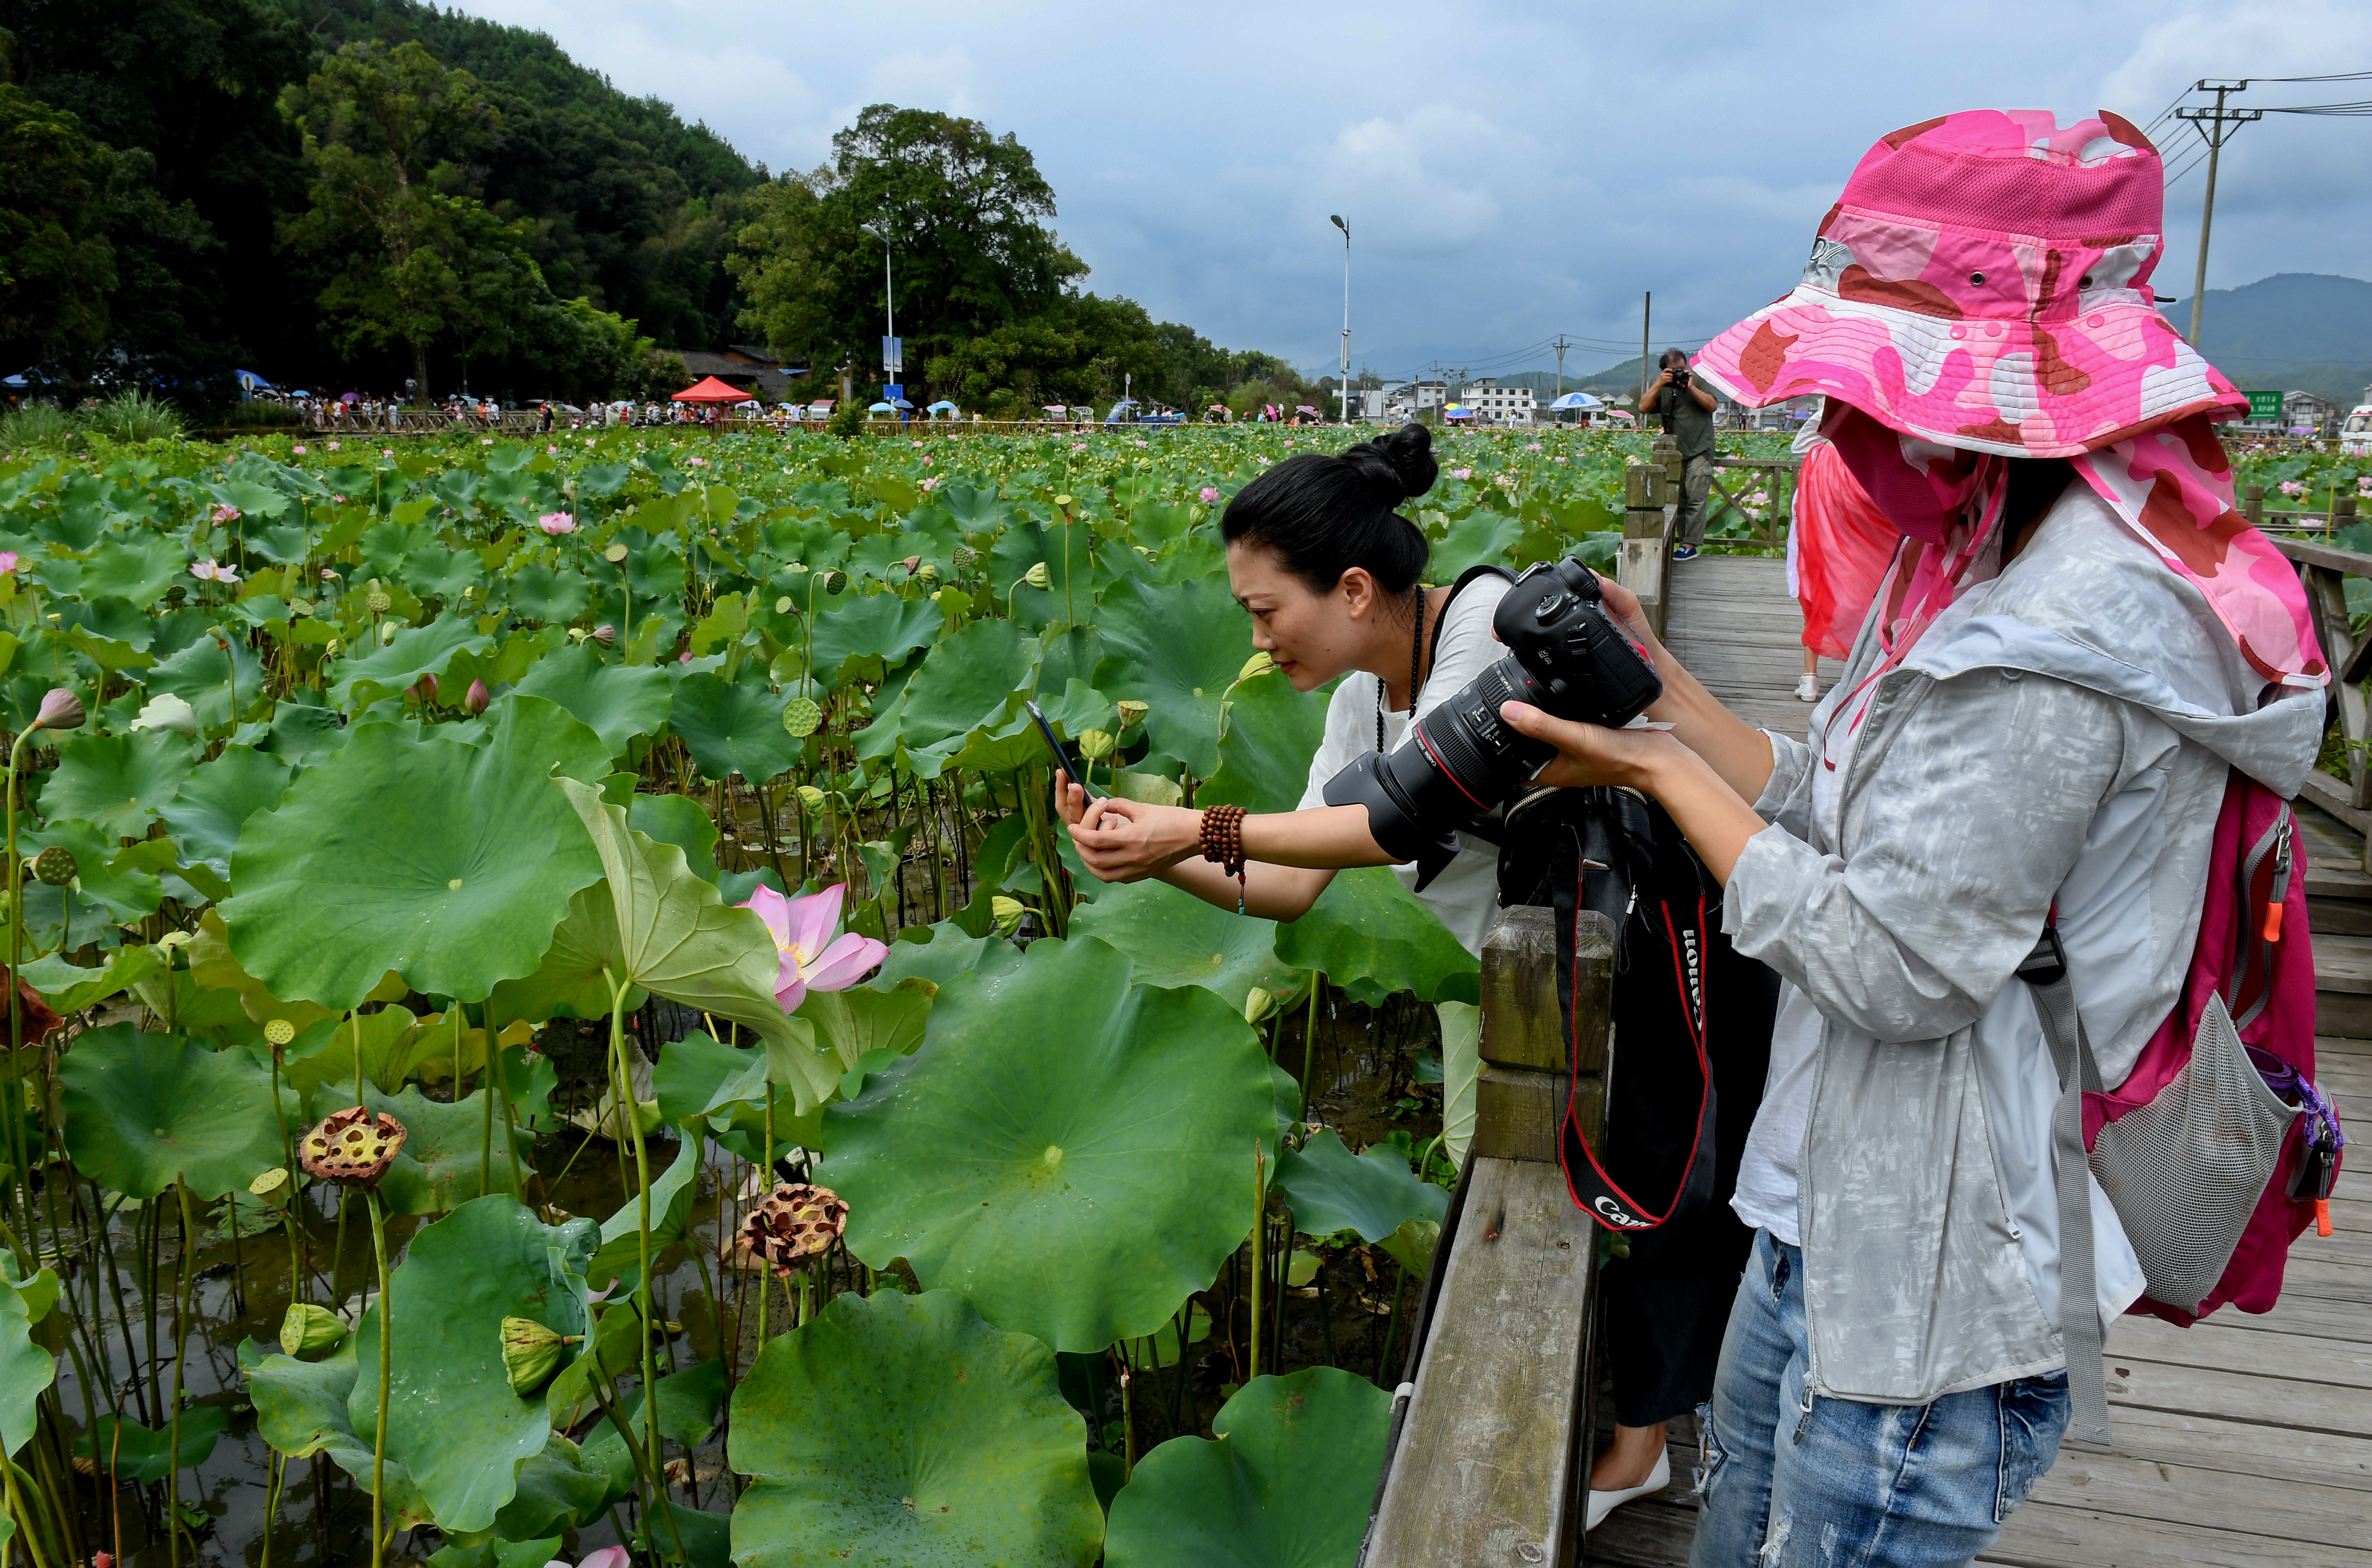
{"x": 549, "y": 1015}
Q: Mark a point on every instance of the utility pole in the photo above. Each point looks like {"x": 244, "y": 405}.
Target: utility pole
{"x": 2218, "y": 125}
{"x": 1646, "y": 320}
{"x": 1346, "y": 228}
{"x": 1559, "y": 345}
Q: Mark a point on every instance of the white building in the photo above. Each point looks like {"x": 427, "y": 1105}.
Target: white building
{"x": 2305, "y": 411}
{"x": 1494, "y": 404}
{"x": 1400, "y": 401}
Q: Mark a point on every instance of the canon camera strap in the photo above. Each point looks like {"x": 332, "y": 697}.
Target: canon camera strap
{"x": 1621, "y": 857}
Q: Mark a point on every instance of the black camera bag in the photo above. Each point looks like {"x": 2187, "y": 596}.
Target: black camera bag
{"x": 1618, "y": 852}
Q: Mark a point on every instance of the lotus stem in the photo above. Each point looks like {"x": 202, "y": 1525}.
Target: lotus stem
{"x": 24, "y": 1518}
{"x": 181, "y": 1359}
{"x": 1127, "y": 1419}
{"x": 765, "y": 1272}
{"x": 643, "y": 1215}
{"x": 485, "y": 1087}
{"x": 386, "y": 1389}
{"x": 1259, "y": 1247}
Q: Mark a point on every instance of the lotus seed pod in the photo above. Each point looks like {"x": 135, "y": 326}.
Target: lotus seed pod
{"x": 793, "y": 1222}
{"x": 351, "y": 1147}
{"x": 477, "y": 697}
{"x": 1257, "y": 1005}
{"x": 784, "y": 606}
{"x": 1007, "y": 913}
{"x": 531, "y": 1353}
{"x": 834, "y": 582}
{"x": 307, "y": 1328}
{"x": 928, "y": 572}
{"x": 606, "y": 634}
{"x": 966, "y": 558}
{"x": 1259, "y": 663}
{"x": 1131, "y": 712}
{"x": 300, "y": 608}
{"x": 913, "y": 563}
{"x": 61, "y": 709}
{"x": 1036, "y": 576}
{"x": 54, "y": 867}
{"x": 811, "y": 797}
{"x": 615, "y": 553}
{"x": 377, "y": 602}
{"x": 271, "y": 1181}
{"x": 280, "y": 1032}
{"x": 801, "y": 718}
{"x": 1095, "y": 745}
{"x": 1064, "y": 501}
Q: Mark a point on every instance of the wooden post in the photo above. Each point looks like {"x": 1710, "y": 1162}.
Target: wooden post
{"x": 1646, "y": 538}
{"x": 2253, "y": 503}
{"x": 1492, "y": 1460}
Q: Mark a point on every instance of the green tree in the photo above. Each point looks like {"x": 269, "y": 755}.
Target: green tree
{"x": 56, "y": 266}
{"x": 384, "y": 130}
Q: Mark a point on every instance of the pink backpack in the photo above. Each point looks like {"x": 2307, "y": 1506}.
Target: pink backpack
{"x": 2218, "y": 1149}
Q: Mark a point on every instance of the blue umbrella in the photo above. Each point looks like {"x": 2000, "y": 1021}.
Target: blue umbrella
{"x": 1577, "y": 399}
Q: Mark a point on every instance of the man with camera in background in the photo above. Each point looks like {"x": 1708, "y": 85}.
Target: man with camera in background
{"x": 1688, "y": 409}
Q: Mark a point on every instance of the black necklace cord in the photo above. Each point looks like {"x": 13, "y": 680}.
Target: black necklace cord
{"x": 1416, "y": 651}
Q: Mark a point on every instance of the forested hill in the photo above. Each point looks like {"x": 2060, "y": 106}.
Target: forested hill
{"x": 161, "y": 209}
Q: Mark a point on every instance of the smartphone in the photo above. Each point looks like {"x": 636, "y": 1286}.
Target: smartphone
{"x": 1062, "y": 758}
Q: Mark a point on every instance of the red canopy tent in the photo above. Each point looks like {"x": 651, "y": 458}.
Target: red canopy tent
{"x": 711, "y": 391}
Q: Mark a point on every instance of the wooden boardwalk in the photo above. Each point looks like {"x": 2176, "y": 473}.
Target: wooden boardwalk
{"x": 2244, "y": 1441}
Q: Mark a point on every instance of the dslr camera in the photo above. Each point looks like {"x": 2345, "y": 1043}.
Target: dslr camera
{"x": 1566, "y": 655}
{"x": 1680, "y": 377}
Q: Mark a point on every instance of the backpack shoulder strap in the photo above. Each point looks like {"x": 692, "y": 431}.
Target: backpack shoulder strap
{"x": 2045, "y": 973}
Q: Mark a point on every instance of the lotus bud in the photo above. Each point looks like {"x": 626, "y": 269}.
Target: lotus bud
{"x": 1036, "y": 576}
{"x": 811, "y": 797}
{"x": 387, "y": 633}
{"x": 426, "y": 689}
{"x": 793, "y": 1222}
{"x": 801, "y": 718}
{"x": 330, "y": 649}
{"x": 1095, "y": 745}
{"x": 54, "y": 867}
{"x": 308, "y": 1328}
{"x": 1131, "y": 712}
{"x": 785, "y": 606}
{"x": 615, "y": 553}
{"x": 531, "y": 1353}
{"x": 377, "y": 602}
{"x": 1257, "y": 1005}
{"x": 928, "y": 572}
{"x": 352, "y": 1147}
{"x": 606, "y": 634}
{"x": 476, "y": 698}
{"x": 1259, "y": 663}
{"x": 834, "y": 582}
{"x": 913, "y": 563}
{"x": 61, "y": 709}
{"x": 167, "y": 711}
{"x": 966, "y": 557}
{"x": 1007, "y": 914}
{"x": 271, "y": 1181}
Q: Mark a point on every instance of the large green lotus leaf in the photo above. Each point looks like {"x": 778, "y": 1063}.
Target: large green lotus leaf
{"x": 882, "y": 627}
{"x": 1288, "y": 1483}
{"x": 557, "y": 1490}
{"x": 437, "y": 1171}
{"x": 702, "y": 1077}
{"x": 732, "y": 727}
{"x": 944, "y": 954}
{"x": 1174, "y": 939}
{"x": 1273, "y": 732}
{"x": 416, "y": 651}
{"x": 619, "y": 702}
{"x": 569, "y": 983}
{"x": 138, "y": 569}
{"x": 324, "y": 1051}
{"x": 70, "y": 989}
{"x": 679, "y": 820}
{"x": 1473, "y": 540}
{"x": 142, "y": 1109}
{"x": 1071, "y": 1151}
{"x": 677, "y": 938}
{"x": 216, "y": 800}
{"x": 971, "y": 680}
{"x": 201, "y": 675}
{"x": 117, "y": 781}
{"x": 301, "y": 1409}
{"x": 452, "y": 1421}
{"x": 26, "y": 1368}
{"x": 117, "y": 877}
{"x": 1372, "y": 938}
{"x": 137, "y": 1454}
{"x": 851, "y": 1023}
{"x": 1373, "y": 1193}
{"x": 538, "y": 592}
{"x": 448, "y": 862}
{"x": 1177, "y": 650}
{"x": 902, "y": 1431}
{"x": 673, "y": 1192}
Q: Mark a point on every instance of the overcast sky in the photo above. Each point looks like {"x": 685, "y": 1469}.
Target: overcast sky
{"x": 1508, "y": 173}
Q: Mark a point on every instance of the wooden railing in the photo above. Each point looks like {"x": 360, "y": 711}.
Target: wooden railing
{"x": 1490, "y": 1457}
{"x": 2324, "y": 569}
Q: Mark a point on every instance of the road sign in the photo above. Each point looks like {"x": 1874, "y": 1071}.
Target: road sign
{"x": 2265, "y": 406}
{"x": 893, "y": 354}
{"x": 891, "y": 392}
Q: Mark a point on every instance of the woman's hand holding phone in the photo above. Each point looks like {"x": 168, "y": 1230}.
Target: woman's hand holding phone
{"x": 1126, "y": 841}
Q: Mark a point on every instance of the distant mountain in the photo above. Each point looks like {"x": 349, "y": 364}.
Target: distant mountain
{"x": 2304, "y": 331}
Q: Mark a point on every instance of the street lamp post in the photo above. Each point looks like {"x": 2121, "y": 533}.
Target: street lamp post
{"x": 1346, "y": 314}
{"x": 889, "y": 368}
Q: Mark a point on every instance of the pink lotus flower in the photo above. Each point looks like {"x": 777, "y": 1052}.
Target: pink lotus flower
{"x": 207, "y": 571}
{"x": 2292, "y": 488}
{"x": 225, "y": 514}
{"x": 1461, "y": 473}
{"x": 7, "y": 562}
{"x": 813, "y": 959}
{"x": 388, "y": 452}
{"x": 1210, "y": 495}
{"x": 608, "y": 1557}
{"x": 300, "y": 450}
{"x": 932, "y": 483}
{"x": 557, "y": 522}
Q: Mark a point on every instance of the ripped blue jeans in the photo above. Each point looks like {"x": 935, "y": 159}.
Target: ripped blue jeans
{"x": 1835, "y": 1483}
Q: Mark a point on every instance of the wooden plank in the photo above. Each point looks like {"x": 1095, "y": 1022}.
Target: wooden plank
{"x": 2050, "y": 1535}
{"x": 2308, "y": 1315}
{"x": 2269, "y": 1401}
{"x": 1519, "y": 969}
{"x": 2209, "y": 1498}
{"x": 2243, "y": 1448}
{"x": 1482, "y": 1471}
{"x": 2307, "y": 553}
{"x": 2334, "y": 796}
{"x": 2211, "y": 1343}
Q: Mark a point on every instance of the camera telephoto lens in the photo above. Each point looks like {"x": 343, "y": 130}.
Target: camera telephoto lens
{"x": 1461, "y": 762}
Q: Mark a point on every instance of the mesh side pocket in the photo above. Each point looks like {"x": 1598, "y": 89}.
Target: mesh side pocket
{"x": 2187, "y": 1170}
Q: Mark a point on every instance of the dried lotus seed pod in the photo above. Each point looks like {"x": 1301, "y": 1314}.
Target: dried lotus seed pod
{"x": 352, "y": 1147}
{"x": 793, "y": 1222}
{"x": 54, "y": 867}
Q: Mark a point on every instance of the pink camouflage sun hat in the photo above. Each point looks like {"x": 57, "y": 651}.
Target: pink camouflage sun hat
{"x": 1985, "y": 283}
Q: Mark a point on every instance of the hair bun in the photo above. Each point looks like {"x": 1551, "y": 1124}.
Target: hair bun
{"x": 1399, "y": 466}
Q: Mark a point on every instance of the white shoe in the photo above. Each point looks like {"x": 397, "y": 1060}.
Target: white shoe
{"x": 1808, "y": 688}
{"x": 1604, "y": 1502}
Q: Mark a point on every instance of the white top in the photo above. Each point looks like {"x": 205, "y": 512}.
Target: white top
{"x": 1466, "y": 895}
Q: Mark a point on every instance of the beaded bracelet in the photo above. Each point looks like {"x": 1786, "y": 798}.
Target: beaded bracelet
{"x": 1223, "y": 843}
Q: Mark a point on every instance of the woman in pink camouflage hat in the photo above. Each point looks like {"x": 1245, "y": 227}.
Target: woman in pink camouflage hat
{"x": 2077, "y": 640}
